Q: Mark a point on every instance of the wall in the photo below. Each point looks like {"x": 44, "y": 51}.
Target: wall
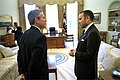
{"x": 9, "y": 7}
{"x": 100, "y": 6}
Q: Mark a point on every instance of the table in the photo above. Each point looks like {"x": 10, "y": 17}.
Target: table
{"x": 106, "y": 75}
{"x": 9, "y": 40}
{"x": 56, "y": 41}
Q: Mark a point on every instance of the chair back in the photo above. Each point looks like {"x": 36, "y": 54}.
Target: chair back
{"x": 52, "y": 30}
{"x": 118, "y": 35}
{"x": 115, "y": 39}
{"x": 69, "y": 37}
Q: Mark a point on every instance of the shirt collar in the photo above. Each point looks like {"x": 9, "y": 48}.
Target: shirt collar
{"x": 88, "y": 27}
{"x": 36, "y": 27}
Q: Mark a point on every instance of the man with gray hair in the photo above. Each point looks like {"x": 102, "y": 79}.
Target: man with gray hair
{"x": 32, "y": 53}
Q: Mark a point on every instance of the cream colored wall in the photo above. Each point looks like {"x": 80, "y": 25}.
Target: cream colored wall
{"x": 101, "y": 6}
{"x": 9, "y": 7}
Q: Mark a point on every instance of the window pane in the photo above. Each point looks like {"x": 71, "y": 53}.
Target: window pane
{"x": 52, "y": 16}
{"x": 27, "y": 9}
{"x": 72, "y": 19}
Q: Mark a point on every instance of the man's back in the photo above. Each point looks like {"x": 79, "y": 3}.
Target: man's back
{"x": 33, "y": 51}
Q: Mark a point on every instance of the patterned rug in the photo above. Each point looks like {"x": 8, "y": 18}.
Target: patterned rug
{"x": 61, "y": 58}
{"x": 60, "y": 54}
{"x": 65, "y": 64}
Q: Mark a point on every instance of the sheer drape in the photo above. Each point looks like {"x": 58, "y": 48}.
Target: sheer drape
{"x": 41, "y": 4}
{"x": 27, "y": 9}
{"x": 72, "y": 19}
{"x": 52, "y": 16}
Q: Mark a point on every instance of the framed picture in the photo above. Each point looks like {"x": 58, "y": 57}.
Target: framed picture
{"x": 97, "y": 18}
{"x": 5, "y": 21}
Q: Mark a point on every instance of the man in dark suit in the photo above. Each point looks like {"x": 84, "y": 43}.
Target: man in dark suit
{"x": 32, "y": 54}
{"x": 17, "y": 32}
{"x": 87, "y": 48}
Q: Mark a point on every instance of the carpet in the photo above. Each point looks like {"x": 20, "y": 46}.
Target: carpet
{"x": 65, "y": 64}
{"x": 61, "y": 58}
{"x": 60, "y": 54}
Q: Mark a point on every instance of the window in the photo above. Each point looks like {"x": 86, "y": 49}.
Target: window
{"x": 52, "y": 16}
{"x": 72, "y": 19}
{"x": 27, "y": 9}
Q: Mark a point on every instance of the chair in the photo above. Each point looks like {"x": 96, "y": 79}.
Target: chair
{"x": 52, "y": 31}
{"x": 103, "y": 35}
{"x": 69, "y": 38}
{"x": 115, "y": 39}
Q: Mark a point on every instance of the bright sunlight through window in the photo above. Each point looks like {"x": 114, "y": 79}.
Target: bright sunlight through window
{"x": 52, "y": 16}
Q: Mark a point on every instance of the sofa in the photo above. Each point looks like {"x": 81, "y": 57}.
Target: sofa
{"x": 8, "y": 63}
{"x": 108, "y": 57}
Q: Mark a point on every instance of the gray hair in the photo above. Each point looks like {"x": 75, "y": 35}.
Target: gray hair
{"x": 32, "y": 15}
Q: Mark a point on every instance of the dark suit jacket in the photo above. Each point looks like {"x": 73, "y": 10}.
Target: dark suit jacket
{"x": 18, "y": 34}
{"x": 86, "y": 54}
{"x": 32, "y": 55}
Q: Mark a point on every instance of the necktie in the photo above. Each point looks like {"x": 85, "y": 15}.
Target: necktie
{"x": 83, "y": 32}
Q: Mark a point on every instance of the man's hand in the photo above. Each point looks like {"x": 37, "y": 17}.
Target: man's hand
{"x": 22, "y": 77}
{"x": 72, "y": 52}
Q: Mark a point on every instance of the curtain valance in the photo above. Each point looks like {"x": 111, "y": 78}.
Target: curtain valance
{"x": 43, "y": 2}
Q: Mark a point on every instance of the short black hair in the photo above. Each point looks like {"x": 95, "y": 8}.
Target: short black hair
{"x": 88, "y": 13}
{"x": 15, "y": 24}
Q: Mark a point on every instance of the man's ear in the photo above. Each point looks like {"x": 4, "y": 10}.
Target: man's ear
{"x": 87, "y": 18}
{"x": 36, "y": 20}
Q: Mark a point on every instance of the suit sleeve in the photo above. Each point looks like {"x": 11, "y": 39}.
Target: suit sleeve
{"x": 93, "y": 42}
{"x": 20, "y": 66}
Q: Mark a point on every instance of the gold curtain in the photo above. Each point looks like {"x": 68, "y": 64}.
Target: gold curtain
{"x": 22, "y": 18}
{"x": 60, "y": 15}
{"x": 41, "y": 4}
{"x": 80, "y": 8}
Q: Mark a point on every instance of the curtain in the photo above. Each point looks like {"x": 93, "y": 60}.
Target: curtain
{"x": 80, "y": 8}
{"x": 22, "y": 16}
{"x": 27, "y": 9}
{"x": 44, "y": 2}
{"x": 52, "y": 16}
{"x": 72, "y": 19}
{"x": 41, "y": 4}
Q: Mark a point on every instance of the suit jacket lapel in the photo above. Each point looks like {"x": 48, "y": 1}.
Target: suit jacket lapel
{"x": 86, "y": 33}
